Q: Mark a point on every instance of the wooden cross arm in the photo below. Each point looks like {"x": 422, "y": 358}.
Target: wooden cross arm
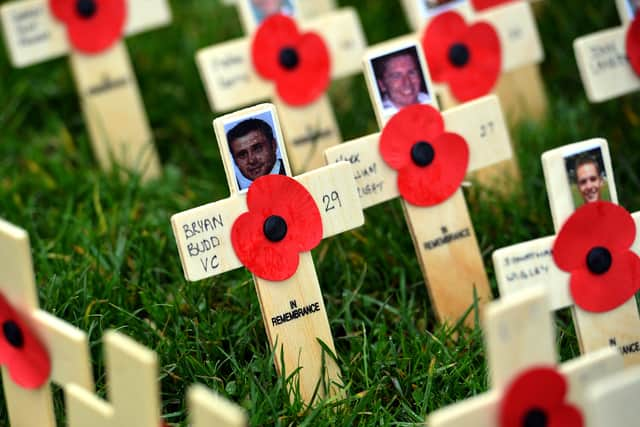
{"x": 17, "y": 281}
{"x": 603, "y": 65}
{"x": 519, "y": 37}
{"x": 231, "y": 81}
{"x": 480, "y": 122}
{"x": 613, "y": 401}
{"x": 203, "y": 234}
{"x": 208, "y": 409}
{"x": 133, "y": 389}
{"x": 33, "y": 34}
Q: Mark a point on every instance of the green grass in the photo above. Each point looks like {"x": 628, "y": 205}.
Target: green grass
{"x": 105, "y": 256}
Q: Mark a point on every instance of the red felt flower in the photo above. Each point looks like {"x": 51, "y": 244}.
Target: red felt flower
{"x": 282, "y": 221}
{"x": 537, "y": 398}
{"x": 21, "y": 352}
{"x": 298, "y": 63}
{"x": 594, "y": 246}
{"x": 92, "y": 25}
{"x": 487, "y": 4}
{"x": 431, "y": 163}
{"x": 633, "y": 44}
{"x": 467, "y": 58}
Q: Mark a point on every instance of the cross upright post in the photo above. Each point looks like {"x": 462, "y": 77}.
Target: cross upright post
{"x": 41, "y": 30}
{"x": 67, "y": 347}
{"x": 207, "y": 409}
{"x": 285, "y": 217}
{"x": 575, "y": 175}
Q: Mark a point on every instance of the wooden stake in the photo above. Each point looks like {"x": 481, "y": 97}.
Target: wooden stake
{"x": 209, "y": 409}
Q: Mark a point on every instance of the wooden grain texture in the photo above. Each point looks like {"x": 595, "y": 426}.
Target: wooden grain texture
{"x": 522, "y": 94}
{"x": 132, "y": 384}
{"x": 603, "y": 64}
{"x": 209, "y": 409}
{"x": 66, "y": 345}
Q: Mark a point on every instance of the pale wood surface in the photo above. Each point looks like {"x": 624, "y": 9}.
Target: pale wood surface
{"x": 133, "y": 390}
{"x": 209, "y": 409}
{"x": 33, "y": 34}
{"x": 453, "y": 270}
{"x": 522, "y": 94}
{"x": 114, "y": 111}
{"x": 603, "y": 65}
{"x": 613, "y": 401}
{"x": 67, "y": 346}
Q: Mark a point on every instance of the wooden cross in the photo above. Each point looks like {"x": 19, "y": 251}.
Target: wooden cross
{"x": 519, "y": 335}
{"x": 252, "y": 12}
{"x": 603, "y": 63}
{"x": 132, "y": 384}
{"x": 530, "y": 264}
{"x": 203, "y": 236}
{"x": 107, "y": 86}
{"x": 231, "y": 82}
{"x": 520, "y": 87}
{"x": 612, "y": 401}
{"x": 443, "y": 235}
{"x": 210, "y": 409}
{"x": 66, "y": 345}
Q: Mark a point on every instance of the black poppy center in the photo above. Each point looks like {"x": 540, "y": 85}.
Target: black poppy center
{"x": 86, "y": 8}
{"x": 422, "y": 153}
{"x": 459, "y": 54}
{"x": 275, "y": 228}
{"x": 599, "y": 260}
{"x": 535, "y": 418}
{"x": 288, "y": 58}
{"x": 13, "y": 334}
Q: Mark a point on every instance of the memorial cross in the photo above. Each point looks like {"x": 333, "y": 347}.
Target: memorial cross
{"x": 215, "y": 238}
{"x": 132, "y": 388}
{"x": 208, "y": 409}
{"x": 67, "y": 347}
{"x": 232, "y": 81}
{"x": 574, "y": 173}
{"x": 251, "y": 12}
{"x": 608, "y": 67}
{"x": 102, "y": 70}
{"x": 442, "y": 232}
{"x": 612, "y": 401}
{"x": 520, "y": 347}
{"x": 519, "y": 83}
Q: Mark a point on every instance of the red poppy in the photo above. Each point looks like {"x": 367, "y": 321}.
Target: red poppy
{"x": 594, "y": 246}
{"x": 537, "y": 398}
{"x": 487, "y": 4}
{"x": 467, "y": 58}
{"x": 298, "y": 63}
{"x": 633, "y": 44}
{"x": 282, "y": 221}
{"x": 21, "y": 352}
{"x": 431, "y": 163}
{"x": 92, "y": 25}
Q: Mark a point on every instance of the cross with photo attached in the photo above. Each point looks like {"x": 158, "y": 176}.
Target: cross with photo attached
{"x": 253, "y": 12}
{"x": 577, "y": 175}
{"x": 40, "y": 30}
{"x": 443, "y": 235}
{"x": 232, "y": 81}
{"x": 269, "y": 224}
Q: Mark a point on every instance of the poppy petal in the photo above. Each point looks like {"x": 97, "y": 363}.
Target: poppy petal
{"x": 310, "y": 79}
{"x": 600, "y": 293}
{"x": 412, "y": 124}
{"x": 487, "y": 4}
{"x": 442, "y": 32}
{"x": 633, "y": 44}
{"x": 594, "y": 224}
{"x": 24, "y": 356}
{"x": 276, "y": 32}
{"x": 566, "y": 416}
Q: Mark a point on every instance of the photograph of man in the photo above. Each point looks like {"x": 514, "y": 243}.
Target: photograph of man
{"x": 589, "y": 178}
{"x": 254, "y": 151}
{"x": 400, "y": 80}
{"x": 265, "y": 8}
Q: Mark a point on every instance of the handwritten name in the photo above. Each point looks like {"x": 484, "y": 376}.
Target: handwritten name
{"x": 26, "y": 24}
{"x": 606, "y": 57}
{"x": 203, "y": 225}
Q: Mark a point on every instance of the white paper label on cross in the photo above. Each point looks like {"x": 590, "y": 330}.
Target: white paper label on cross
{"x": 519, "y": 335}
{"x": 530, "y": 265}
{"x": 232, "y": 82}
{"x": 66, "y": 345}
{"x": 203, "y": 236}
{"x": 209, "y": 409}
{"x": 603, "y": 64}
{"x": 613, "y": 401}
{"x": 252, "y": 12}
{"x": 105, "y": 81}
{"x": 132, "y": 384}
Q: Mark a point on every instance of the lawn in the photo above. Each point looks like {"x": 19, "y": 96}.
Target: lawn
{"x": 105, "y": 256}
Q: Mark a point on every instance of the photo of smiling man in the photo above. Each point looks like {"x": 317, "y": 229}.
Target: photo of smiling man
{"x": 587, "y": 177}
